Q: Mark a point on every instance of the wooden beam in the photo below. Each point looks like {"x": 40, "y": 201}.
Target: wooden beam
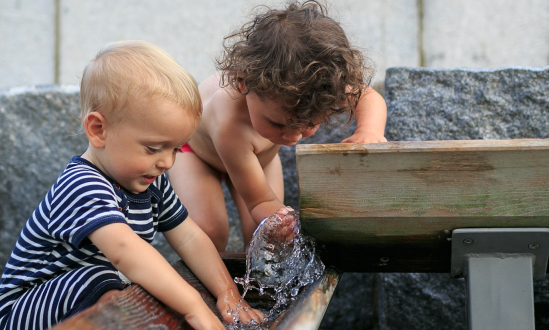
{"x": 392, "y": 206}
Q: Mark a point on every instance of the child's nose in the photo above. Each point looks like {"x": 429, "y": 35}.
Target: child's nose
{"x": 167, "y": 161}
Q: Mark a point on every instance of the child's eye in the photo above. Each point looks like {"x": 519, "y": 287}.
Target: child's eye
{"x": 153, "y": 150}
{"x": 278, "y": 126}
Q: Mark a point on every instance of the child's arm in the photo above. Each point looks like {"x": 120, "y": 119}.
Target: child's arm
{"x": 199, "y": 254}
{"x": 371, "y": 115}
{"x": 246, "y": 172}
{"x": 144, "y": 265}
{"x": 237, "y": 145}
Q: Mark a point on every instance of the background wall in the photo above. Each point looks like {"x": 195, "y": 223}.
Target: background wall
{"x": 50, "y": 41}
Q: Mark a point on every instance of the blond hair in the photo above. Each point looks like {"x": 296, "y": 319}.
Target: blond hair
{"x": 125, "y": 71}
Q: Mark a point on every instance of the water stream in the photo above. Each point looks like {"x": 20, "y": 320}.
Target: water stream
{"x": 280, "y": 261}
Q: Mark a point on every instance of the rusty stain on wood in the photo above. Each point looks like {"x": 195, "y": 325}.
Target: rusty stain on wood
{"x": 337, "y": 170}
{"x": 132, "y": 308}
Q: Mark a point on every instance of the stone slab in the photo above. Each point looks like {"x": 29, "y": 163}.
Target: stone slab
{"x": 461, "y": 104}
{"x": 39, "y": 133}
{"x": 38, "y": 129}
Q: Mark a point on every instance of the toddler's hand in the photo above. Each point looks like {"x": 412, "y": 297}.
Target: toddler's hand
{"x": 227, "y": 303}
{"x": 281, "y": 226}
{"x": 203, "y": 319}
{"x": 273, "y": 243}
{"x": 364, "y": 137}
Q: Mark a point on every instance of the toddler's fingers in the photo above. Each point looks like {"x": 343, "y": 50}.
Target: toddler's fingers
{"x": 227, "y": 318}
{"x": 259, "y": 314}
{"x": 250, "y": 315}
{"x": 282, "y": 212}
{"x": 287, "y": 231}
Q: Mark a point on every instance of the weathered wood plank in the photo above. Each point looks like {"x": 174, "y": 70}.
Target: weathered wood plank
{"x": 132, "y": 308}
{"x": 135, "y": 308}
{"x": 392, "y": 206}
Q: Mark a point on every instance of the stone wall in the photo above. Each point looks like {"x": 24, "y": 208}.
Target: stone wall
{"x": 39, "y": 133}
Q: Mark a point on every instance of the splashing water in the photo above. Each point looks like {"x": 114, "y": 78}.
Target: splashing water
{"x": 279, "y": 259}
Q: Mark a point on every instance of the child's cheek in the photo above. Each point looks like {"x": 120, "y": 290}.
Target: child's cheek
{"x": 309, "y": 132}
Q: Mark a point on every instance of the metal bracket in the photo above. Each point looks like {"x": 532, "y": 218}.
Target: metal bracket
{"x": 499, "y": 265}
{"x": 500, "y": 243}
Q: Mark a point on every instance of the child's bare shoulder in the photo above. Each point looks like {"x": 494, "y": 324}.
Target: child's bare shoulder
{"x": 225, "y": 116}
{"x": 233, "y": 128}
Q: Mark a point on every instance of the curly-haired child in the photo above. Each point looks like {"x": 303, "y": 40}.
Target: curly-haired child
{"x": 281, "y": 76}
{"x": 98, "y": 219}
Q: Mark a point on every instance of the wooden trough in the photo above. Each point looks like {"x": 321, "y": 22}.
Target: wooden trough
{"x": 134, "y": 308}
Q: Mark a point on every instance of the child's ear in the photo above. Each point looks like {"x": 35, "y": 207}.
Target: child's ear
{"x": 95, "y": 126}
{"x": 239, "y": 77}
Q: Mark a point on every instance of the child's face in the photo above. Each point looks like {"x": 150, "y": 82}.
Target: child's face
{"x": 143, "y": 144}
{"x": 269, "y": 120}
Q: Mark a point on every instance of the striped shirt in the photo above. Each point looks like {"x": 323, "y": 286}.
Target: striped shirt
{"x": 54, "y": 240}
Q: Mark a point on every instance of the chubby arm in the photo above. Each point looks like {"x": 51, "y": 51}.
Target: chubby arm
{"x": 371, "y": 116}
{"x": 238, "y": 153}
{"x": 200, "y": 255}
{"x": 144, "y": 265}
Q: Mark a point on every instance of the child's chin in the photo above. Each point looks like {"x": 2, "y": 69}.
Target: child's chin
{"x": 140, "y": 189}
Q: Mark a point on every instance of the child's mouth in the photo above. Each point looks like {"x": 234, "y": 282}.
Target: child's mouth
{"x": 149, "y": 179}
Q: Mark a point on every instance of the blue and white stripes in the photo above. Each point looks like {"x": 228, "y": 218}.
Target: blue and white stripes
{"x": 54, "y": 243}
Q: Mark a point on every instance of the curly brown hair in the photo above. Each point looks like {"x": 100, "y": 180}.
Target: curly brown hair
{"x": 298, "y": 55}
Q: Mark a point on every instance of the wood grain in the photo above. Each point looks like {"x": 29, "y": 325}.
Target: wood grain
{"x": 392, "y": 206}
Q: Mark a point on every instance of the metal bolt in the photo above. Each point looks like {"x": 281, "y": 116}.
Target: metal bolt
{"x": 533, "y": 246}
{"x": 468, "y": 241}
